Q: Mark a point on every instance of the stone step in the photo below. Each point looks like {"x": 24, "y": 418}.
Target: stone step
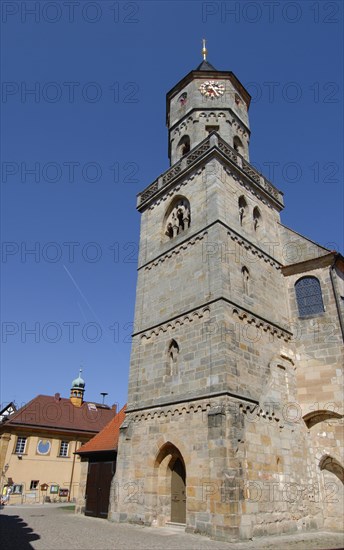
{"x": 175, "y": 525}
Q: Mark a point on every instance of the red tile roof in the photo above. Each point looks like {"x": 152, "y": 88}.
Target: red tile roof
{"x": 107, "y": 438}
{"x": 59, "y": 413}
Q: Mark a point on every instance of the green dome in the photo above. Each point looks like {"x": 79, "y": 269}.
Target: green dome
{"x": 78, "y": 382}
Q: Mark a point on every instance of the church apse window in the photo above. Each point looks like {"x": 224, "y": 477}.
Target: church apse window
{"x": 243, "y": 208}
{"x": 178, "y": 218}
{"x": 309, "y": 296}
{"x": 183, "y": 146}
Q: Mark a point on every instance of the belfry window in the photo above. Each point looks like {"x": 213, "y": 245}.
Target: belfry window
{"x": 210, "y": 129}
{"x": 237, "y": 144}
{"x": 183, "y": 98}
{"x": 183, "y": 146}
{"x": 178, "y": 219}
{"x": 309, "y": 296}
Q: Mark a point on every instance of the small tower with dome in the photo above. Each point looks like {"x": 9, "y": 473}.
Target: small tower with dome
{"x": 77, "y": 391}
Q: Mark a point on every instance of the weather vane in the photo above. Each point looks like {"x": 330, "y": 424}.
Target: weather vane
{"x": 204, "y": 50}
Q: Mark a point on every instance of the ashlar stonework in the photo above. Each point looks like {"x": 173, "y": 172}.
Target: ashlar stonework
{"x": 234, "y": 418}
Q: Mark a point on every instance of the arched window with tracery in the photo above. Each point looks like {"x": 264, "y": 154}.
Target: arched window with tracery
{"x": 178, "y": 218}
{"x": 309, "y": 296}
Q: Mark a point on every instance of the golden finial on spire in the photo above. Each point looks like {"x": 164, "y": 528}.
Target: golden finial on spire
{"x": 204, "y": 50}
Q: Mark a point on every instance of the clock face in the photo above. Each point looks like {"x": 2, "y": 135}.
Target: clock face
{"x": 43, "y": 447}
{"x": 211, "y": 88}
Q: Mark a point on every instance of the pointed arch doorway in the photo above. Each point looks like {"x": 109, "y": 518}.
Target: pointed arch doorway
{"x": 178, "y": 492}
{"x": 171, "y": 484}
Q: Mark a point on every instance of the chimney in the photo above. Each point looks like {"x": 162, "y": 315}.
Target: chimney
{"x": 57, "y": 397}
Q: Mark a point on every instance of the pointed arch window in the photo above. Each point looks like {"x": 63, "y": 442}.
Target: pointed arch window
{"x": 183, "y": 146}
{"x": 257, "y": 218}
{"x": 173, "y": 352}
{"x": 243, "y": 208}
{"x": 309, "y": 296}
{"x": 183, "y": 98}
{"x": 237, "y": 144}
{"x": 245, "y": 279}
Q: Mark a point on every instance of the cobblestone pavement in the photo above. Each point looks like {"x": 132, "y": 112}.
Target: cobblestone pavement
{"x": 49, "y": 527}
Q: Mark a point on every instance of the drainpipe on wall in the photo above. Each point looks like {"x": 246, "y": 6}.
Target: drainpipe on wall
{"x": 72, "y": 473}
{"x": 336, "y": 297}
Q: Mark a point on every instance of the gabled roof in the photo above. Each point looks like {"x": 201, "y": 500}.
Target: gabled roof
{"x": 107, "y": 438}
{"x": 58, "y": 413}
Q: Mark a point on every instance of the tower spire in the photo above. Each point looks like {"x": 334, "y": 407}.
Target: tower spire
{"x": 204, "y": 50}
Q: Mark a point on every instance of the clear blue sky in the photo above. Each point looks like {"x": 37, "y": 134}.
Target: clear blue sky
{"x": 95, "y": 132}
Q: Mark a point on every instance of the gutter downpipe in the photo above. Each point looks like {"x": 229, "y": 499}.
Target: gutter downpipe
{"x": 72, "y": 473}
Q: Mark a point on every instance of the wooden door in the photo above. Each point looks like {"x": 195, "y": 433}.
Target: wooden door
{"x": 178, "y": 493}
{"x": 98, "y": 488}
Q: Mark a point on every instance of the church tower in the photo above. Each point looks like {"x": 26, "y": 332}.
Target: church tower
{"x": 211, "y": 349}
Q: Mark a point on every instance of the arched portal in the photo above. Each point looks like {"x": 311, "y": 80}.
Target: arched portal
{"x": 171, "y": 473}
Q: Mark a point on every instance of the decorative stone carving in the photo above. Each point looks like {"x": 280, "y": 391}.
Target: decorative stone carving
{"x": 178, "y": 219}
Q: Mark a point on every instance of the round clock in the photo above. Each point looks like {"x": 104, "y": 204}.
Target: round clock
{"x": 43, "y": 447}
{"x": 211, "y": 88}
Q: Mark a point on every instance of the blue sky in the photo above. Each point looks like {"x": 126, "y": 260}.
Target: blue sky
{"x": 94, "y": 133}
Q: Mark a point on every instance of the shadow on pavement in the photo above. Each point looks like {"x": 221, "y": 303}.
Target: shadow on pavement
{"x": 15, "y": 533}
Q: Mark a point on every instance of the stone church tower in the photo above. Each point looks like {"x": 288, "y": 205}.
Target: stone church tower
{"x": 223, "y": 358}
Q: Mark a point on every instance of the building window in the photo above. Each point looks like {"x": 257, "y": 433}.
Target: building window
{"x": 308, "y": 296}
{"x": 54, "y": 489}
{"x": 210, "y": 129}
{"x": 20, "y": 445}
{"x": 64, "y": 448}
{"x": 243, "y": 208}
{"x": 183, "y": 98}
{"x": 178, "y": 219}
{"x": 173, "y": 352}
{"x": 238, "y": 146}
{"x": 256, "y": 218}
{"x": 245, "y": 279}
{"x": 237, "y": 100}
{"x": 17, "y": 489}
{"x": 183, "y": 146}
{"x": 34, "y": 484}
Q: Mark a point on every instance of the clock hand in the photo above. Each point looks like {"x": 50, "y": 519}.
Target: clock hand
{"x": 215, "y": 91}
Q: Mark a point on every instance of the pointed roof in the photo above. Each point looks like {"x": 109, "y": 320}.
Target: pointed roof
{"x": 107, "y": 438}
{"x": 205, "y": 66}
